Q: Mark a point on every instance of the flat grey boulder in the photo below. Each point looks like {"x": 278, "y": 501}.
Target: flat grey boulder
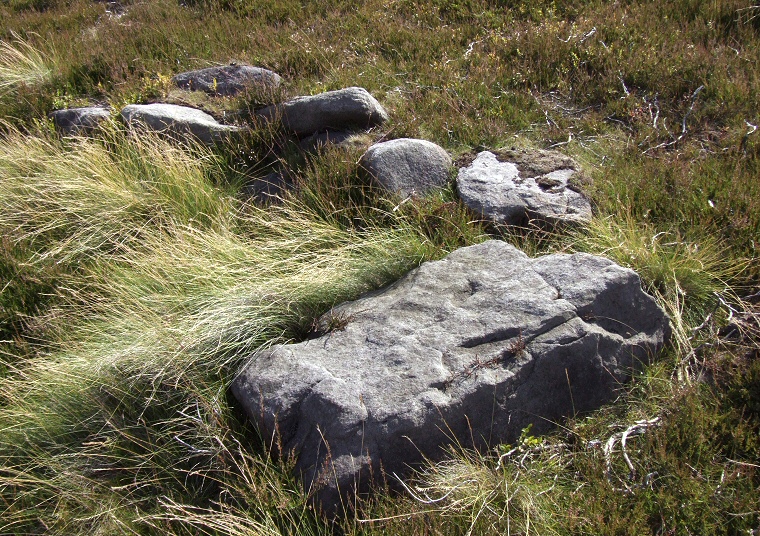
{"x": 472, "y": 348}
{"x": 407, "y": 166}
{"x": 228, "y": 80}
{"x": 79, "y": 121}
{"x": 344, "y": 109}
{"x": 516, "y": 187}
{"x": 177, "y": 121}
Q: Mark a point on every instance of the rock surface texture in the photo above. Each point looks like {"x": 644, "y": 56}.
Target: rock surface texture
{"x": 408, "y": 166}
{"x": 515, "y": 187}
{"x": 178, "y": 121}
{"x": 343, "y": 109}
{"x": 474, "y": 347}
{"x": 228, "y": 80}
{"x": 79, "y": 121}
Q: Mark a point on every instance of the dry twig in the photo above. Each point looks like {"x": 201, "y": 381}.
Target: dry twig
{"x": 637, "y": 428}
{"x": 684, "y": 130}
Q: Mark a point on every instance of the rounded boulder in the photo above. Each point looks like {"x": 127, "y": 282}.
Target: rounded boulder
{"x": 408, "y": 166}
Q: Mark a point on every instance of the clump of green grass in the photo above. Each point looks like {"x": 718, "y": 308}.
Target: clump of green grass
{"x": 76, "y": 199}
{"x": 22, "y": 64}
{"x": 505, "y": 493}
{"x": 170, "y": 284}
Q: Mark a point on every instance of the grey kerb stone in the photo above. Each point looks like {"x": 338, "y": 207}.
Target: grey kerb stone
{"x": 177, "y": 121}
{"x": 343, "y": 109}
{"x": 228, "y": 80}
{"x": 474, "y": 347}
{"x": 79, "y": 121}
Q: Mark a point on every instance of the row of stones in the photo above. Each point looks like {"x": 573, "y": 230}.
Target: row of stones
{"x": 508, "y": 186}
{"x": 474, "y": 347}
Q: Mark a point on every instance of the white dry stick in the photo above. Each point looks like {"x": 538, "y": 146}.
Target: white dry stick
{"x": 191, "y": 448}
{"x": 637, "y": 428}
{"x": 470, "y": 47}
{"x": 745, "y": 138}
{"x": 683, "y": 122}
{"x": 608, "y": 454}
{"x": 752, "y": 13}
{"x": 625, "y": 89}
{"x": 731, "y": 310}
{"x": 427, "y": 499}
{"x": 569, "y": 139}
{"x": 657, "y": 113}
{"x": 691, "y": 108}
{"x": 589, "y": 34}
{"x": 406, "y": 200}
{"x": 703, "y": 325}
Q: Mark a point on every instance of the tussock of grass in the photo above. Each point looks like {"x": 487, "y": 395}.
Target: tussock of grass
{"x": 76, "y": 199}
{"x": 153, "y": 323}
{"x": 691, "y": 280}
{"x": 22, "y": 64}
{"x": 495, "y": 495}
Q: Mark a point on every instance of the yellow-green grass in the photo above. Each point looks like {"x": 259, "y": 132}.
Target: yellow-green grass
{"x": 169, "y": 283}
{"x": 22, "y": 64}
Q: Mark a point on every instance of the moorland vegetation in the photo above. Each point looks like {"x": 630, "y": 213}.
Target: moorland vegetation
{"x": 135, "y": 278}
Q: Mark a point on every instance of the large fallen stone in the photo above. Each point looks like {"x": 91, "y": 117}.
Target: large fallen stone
{"x": 228, "y": 80}
{"x": 516, "y": 187}
{"x": 408, "y": 166}
{"x": 344, "y": 109}
{"x": 178, "y": 121}
{"x": 79, "y": 121}
{"x": 472, "y": 348}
